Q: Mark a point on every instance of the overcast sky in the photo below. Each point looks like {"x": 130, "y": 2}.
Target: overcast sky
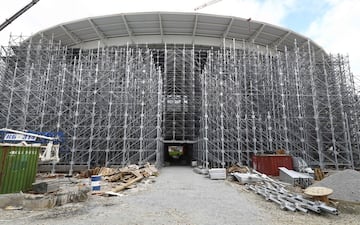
{"x": 333, "y": 24}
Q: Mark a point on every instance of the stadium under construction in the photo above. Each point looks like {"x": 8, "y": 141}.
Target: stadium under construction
{"x": 123, "y": 88}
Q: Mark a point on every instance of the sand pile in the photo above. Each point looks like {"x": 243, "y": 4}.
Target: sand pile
{"x": 345, "y": 184}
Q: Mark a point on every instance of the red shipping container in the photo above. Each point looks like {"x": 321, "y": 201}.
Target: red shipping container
{"x": 269, "y": 164}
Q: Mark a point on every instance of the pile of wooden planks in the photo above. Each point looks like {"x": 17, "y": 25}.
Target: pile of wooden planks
{"x": 238, "y": 169}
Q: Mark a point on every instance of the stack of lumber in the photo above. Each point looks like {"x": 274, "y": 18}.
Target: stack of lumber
{"x": 238, "y": 169}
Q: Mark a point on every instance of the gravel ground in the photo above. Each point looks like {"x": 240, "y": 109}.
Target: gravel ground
{"x": 178, "y": 196}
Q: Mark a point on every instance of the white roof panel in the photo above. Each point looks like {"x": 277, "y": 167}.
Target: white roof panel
{"x": 158, "y": 27}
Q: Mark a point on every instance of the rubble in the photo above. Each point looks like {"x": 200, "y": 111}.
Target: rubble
{"x": 51, "y": 191}
{"x": 277, "y": 192}
{"x": 271, "y": 190}
{"x": 43, "y": 201}
{"x": 138, "y": 177}
{"x": 124, "y": 177}
{"x": 242, "y": 174}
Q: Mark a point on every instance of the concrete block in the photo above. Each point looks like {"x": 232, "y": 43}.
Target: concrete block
{"x": 43, "y": 203}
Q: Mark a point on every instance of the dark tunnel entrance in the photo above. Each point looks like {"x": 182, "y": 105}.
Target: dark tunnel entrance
{"x": 178, "y": 154}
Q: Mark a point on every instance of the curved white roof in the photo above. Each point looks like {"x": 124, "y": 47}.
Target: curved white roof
{"x": 172, "y": 28}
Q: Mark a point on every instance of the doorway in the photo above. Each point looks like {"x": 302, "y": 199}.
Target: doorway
{"x": 178, "y": 154}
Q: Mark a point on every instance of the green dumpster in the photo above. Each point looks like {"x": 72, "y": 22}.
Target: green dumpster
{"x": 18, "y": 166}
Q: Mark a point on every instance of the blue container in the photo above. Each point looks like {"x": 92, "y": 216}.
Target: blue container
{"x": 95, "y": 183}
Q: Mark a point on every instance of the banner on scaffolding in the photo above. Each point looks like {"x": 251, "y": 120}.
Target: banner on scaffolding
{"x": 18, "y": 137}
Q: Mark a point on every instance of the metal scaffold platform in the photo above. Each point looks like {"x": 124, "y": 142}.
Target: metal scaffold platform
{"x": 119, "y": 105}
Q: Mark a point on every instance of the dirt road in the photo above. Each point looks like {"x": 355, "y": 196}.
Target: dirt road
{"x": 179, "y": 196}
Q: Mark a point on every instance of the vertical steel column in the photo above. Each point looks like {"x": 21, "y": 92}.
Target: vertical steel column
{"x": 272, "y": 128}
{"x": 245, "y": 91}
{"x": 348, "y": 141}
{"x": 269, "y": 141}
{"x": 253, "y": 93}
{"x": 206, "y": 115}
{"x": 174, "y": 96}
{"x": 141, "y": 138}
{"x": 93, "y": 110}
{"x": 110, "y": 107}
{"x": 269, "y": 131}
{"x": 159, "y": 157}
{"x": 238, "y": 96}
{"x": 26, "y": 97}
{"x": 331, "y": 118}
{"x": 300, "y": 115}
{"x": 283, "y": 103}
{"x": 184, "y": 95}
{"x": 355, "y": 114}
{"x": 165, "y": 88}
{"x": 77, "y": 74}
{"x": 125, "y": 151}
{"x": 45, "y": 92}
{"x": 315, "y": 107}
{"x": 221, "y": 98}
{"x": 12, "y": 90}
{"x": 62, "y": 78}
{"x": 192, "y": 101}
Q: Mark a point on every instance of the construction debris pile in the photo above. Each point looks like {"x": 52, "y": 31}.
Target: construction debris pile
{"x": 47, "y": 193}
{"x": 56, "y": 190}
{"x": 277, "y": 192}
{"x": 345, "y": 185}
{"x": 120, "y": 179}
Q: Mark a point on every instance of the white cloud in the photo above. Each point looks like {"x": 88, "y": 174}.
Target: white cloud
{"x": 338, "y": 30}
{"x": 270, "y": 11}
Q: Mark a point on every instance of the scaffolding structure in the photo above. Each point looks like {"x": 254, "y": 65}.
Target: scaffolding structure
{"x": 119, "y": 105}
{"x": 259, "y": 101}
{"x": 106, "y": 102}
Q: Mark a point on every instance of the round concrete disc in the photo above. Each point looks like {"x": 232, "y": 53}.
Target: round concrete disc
{"x": 318, "y": 191}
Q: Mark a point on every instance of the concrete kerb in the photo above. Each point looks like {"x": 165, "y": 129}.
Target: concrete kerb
{"x": 16, "y": 199}
{"x": 41, "y": 202}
